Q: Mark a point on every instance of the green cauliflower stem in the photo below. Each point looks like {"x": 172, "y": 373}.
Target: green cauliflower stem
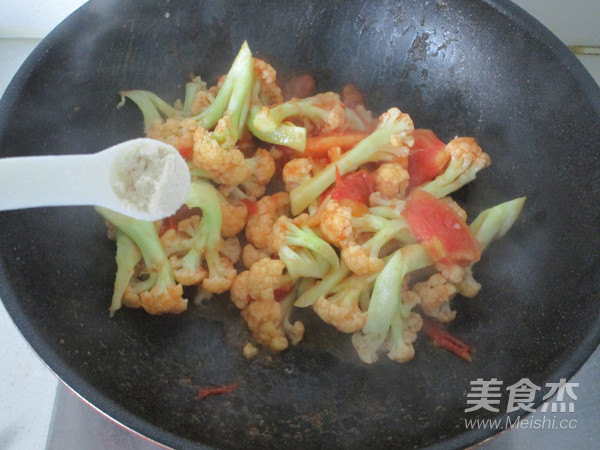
{"x": 386, "y": 314}
{"x": 388, "y": 317}
{"x": 391, "y": 139}
{"x": 374, "y": 223}
{"x": 233, "y": 98}
{"x": 303, "y": 263}
{"x": 342, "y": 306}
{"x": 153, "y": 108}
{"x": 191, "y": 89}
{"x": 305, "y": 254}
{"x": 268, "y": 120}
{"x": 384, "y": 213}
{"x": 189, "y": 254}
{"x": 161, "y": 294}
{"x": 494, "y": 223}
{"x": 323, "y": 287}
{"x": 285, "y": 133}
{"x": 127, "y": 258}
{"x": 466, "y": 160}
{"x": 365, "y": 258}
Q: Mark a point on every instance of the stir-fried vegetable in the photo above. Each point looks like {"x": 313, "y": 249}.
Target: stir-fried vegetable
{"x": 338, "y": 213}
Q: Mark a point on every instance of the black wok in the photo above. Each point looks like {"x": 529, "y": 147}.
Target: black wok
{"x": 483, "y": 69}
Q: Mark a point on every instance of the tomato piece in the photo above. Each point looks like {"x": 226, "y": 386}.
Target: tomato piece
{"x": 318, "y": 146}
{"x": 282, "y": 292}
{"x": 186, "y": 152}
{"x": 352, "y": 97}
{"x": 182, "y": 213}
{"x": 251, "y": 206}
{"x": 427, "y": 157}
{"x": 354, "y": 186}
{"x": 443, "y": 233}
{"x": 299, "y": 86}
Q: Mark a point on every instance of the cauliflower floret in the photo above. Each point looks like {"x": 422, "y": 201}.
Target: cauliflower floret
{"x": 466, "y": 160}
{"x": 239, "y": 293}
{"x": 263, "y": 169}
{"x": 251, "y": 254}
{"x": 270, "y": 93}
{"x": 234, "y": 217}
{"x": 296, "y": 171}
{"x": 435, "y": 295}
{"x": 186, "y": 275}
{"x": 268, "y": 321}
{"x": 336, "y": 224}
{"x": 360, "y": 261}
{"x": 468, "y": 286}
{"x": 262, "y": 318}
{"x": 253, "y": 291}
{"x": 231, "y": 249}
{"x": 393, "y": 206}
{"x": 336, "y": 113}
{"x": 462, "y": 278}
{"x": 280, "y": 229}
{"x": 452, "y": 273}
{"x": 220, "y": 276}
{"x": 139, "y": 281}
{"x": 467, "y": 150}
{"x": 171, "y": 240}
{"x": 202, "y": 100}
{"x": 278, "y": 233}
{"x": 204, "y": 97}
{"x": 194, "y": 260}
{"x": 391, "y": 180}
{"x": 260, "y": 223}
{"x": 225, "y": 163}
{"x": 405, "y": 351}
{"x": 347, "y": 318}
{"x": 264, "y": 166}
{"x": 161, "y": 300}
{"x": 131, "y": 298}
{"x": 265, "y": 277}
{"x": 178, "y": 133}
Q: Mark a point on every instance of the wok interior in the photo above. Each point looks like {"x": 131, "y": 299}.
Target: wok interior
{"x": 460, "y": 68}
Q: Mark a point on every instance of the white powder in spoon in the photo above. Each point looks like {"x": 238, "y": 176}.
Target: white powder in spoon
{"x": 151, "y": 177}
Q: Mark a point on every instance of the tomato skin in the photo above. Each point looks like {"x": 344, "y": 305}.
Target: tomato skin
{"x": 182, "y": 213}
{"x": 282, "y": 292}
{"x": 445, "y": 235}
{"x": 251, "y": 206}
{"x": 355, "y": 186}
{"x": 318, "y": 146}
{"x": 427, "y": 157}
{"x": 186, "y": 152}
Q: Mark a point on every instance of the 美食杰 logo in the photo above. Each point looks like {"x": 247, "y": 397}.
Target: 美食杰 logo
{"x": 491, "y": 395}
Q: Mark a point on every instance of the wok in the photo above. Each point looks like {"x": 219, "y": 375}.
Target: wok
{"x": 483, "y": 69}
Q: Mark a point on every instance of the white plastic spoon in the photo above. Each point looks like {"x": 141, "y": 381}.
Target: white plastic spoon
{"x": 142, "y": 178}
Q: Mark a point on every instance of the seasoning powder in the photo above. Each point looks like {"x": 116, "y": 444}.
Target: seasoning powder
{"x": 153, "y": 179}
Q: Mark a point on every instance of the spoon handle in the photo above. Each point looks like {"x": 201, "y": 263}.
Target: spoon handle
{"x": 33, "y": 181}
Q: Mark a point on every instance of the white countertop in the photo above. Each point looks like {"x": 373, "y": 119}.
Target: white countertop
{"x": 27, "y": 387}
